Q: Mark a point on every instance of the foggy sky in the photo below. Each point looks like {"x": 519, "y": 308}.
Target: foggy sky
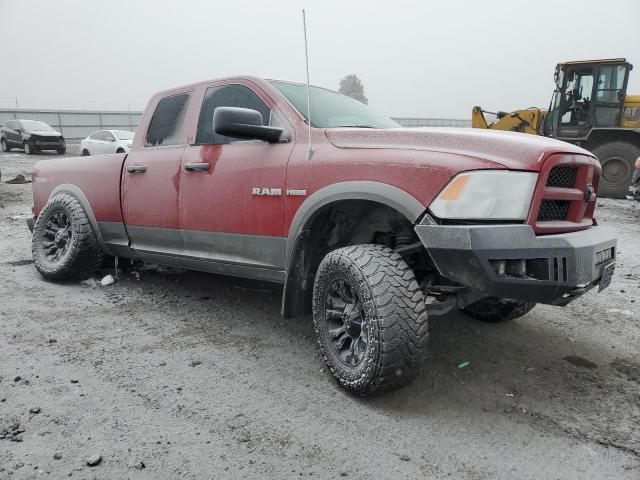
{"x": 415, "y": 58}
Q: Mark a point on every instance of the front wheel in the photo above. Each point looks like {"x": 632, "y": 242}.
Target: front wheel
{"x": 617, "y": 160}
{"x": 63, "y": 244}
{"x": 4, "y": 146}
{"x": 28, "y": 149}
{"x": 493, "y": 310}
{"x": 61, "y": 150}
{"x": 370, "y": 318}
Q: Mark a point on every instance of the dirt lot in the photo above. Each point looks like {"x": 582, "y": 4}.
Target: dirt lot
{"x": 187, "y": 375}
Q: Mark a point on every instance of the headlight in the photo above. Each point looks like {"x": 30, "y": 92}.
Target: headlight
{"x": 486, "y": 195}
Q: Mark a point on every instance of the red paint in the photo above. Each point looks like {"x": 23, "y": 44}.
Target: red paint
{"x": 580, "y": 215}
{"x": 98, "y": 177}
{"x": 418, "y": 161}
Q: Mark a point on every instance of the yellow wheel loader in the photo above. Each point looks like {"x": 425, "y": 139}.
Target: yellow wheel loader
{"x": 590, "y": 108}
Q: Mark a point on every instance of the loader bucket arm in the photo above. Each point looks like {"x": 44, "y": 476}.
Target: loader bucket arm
{"x": 477, "y": 118}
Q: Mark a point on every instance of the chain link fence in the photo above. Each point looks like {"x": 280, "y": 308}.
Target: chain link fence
{"x": 77, "y": 124}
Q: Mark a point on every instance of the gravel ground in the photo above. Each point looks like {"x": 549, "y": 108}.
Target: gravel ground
{"x": 187, "y": 375}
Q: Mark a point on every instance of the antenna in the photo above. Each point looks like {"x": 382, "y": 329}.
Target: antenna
{"x": 306, "y": 54}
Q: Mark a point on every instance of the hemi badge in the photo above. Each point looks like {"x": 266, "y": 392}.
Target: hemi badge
{"x": 296, "y": 193}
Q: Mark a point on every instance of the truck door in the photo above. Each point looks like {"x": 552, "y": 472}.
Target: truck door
{"x": 232, "y": 192}
{"x": 151, "y": 180}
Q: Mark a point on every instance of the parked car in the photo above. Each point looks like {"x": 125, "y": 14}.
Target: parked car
{"x": 107, "y": 141}
{"x": 360, "y": 228}
{"x": 31, "y": 135}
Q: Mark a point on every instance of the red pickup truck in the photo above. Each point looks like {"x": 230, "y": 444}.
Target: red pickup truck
{"x": 370, "y": 231}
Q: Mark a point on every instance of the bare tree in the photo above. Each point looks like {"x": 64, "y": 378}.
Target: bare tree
{"x": 352, "y": 86}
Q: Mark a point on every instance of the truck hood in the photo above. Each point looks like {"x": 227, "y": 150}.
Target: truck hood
{"x": 516, "y": 151}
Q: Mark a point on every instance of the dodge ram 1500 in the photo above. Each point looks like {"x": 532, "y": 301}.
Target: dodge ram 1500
{"x": 373, "y": 229}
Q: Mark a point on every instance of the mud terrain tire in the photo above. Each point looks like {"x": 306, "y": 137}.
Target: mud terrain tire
{"x": 63, "y": 245}
{"x": 370, "y": 318}
{"x": 493, "y": 310}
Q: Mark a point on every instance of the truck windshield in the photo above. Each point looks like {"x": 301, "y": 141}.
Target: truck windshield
{"x": 330, "y": 109}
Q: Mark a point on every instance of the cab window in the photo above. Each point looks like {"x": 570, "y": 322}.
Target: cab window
{"x": 165, "y": 127}
{"x": 227, "y": 96}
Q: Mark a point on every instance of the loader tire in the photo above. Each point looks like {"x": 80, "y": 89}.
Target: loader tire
{"x": 618, "y": 165}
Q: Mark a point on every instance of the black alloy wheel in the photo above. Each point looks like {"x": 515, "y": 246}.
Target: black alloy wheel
{"x": 346, "y": 323}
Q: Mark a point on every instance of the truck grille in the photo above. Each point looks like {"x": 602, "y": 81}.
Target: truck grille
{"x": 553, "y": 210}
{"x": 565, "y": 194}
{"x": 562, "y": 177}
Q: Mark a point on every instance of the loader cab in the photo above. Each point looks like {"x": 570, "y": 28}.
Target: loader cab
{"x": 588, "y": 95}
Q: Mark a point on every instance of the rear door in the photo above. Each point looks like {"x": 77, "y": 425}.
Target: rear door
{"x": 232, "y": 192}
{"x": 96, "y": 144}
{"x": 109, "y": 142}
{"x": 151, "y": 179}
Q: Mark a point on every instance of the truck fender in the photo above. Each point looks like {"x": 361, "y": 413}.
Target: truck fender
{"x": 378, "y": 192}
{"x": 78, "y": 194}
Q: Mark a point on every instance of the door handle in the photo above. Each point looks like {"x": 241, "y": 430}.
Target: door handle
{"x": 196, "y": 167}
{"x": 136, "y": 168}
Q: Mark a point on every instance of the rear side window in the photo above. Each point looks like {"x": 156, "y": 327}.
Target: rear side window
{"x": 227, "y": 96}
{"x": 165, "y": 127}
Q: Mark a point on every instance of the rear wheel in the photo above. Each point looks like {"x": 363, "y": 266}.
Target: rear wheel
{"x": 85, "y": 152}
{"x": 493, "y": 310}
{"x": 370, "y": 318}
{"x": 120, "y": 150}
{"x": 28, "y": 149}
{"x": 4, "y": 146}
{"x": 63, "y": 244}
{"x": 617, "y": 160}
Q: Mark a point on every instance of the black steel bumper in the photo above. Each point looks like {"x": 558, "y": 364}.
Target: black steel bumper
{"x": 510, "y": 261}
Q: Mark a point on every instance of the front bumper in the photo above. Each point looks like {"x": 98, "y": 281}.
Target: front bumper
{"x": 510, "y": 261}
{"x": 44, "y": 144}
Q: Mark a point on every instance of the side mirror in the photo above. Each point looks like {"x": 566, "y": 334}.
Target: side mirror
{"x": 18, "y": 130}
{"x": 243, "y": 123}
